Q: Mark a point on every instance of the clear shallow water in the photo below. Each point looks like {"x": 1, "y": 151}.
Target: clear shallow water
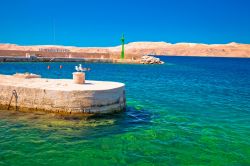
{"x": 191, "y": 111}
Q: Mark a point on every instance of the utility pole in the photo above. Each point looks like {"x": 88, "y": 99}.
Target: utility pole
{"x": 122, "y": 40}
{"x": 54, "y": 32}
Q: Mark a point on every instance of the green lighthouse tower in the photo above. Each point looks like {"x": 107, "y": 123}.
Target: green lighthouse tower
{"x": 122, "y": 40}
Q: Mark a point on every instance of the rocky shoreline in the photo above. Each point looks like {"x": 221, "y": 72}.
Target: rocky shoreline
{"x": 150, "y": 60}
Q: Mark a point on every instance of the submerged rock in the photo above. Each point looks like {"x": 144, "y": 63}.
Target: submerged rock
{"x": 150, "y": 60}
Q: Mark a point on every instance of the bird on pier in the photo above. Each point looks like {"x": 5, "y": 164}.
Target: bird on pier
{"x": 77, "y": 68}
{"x": 80, "y": 68}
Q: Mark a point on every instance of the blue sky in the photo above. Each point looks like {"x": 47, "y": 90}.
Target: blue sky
{"x": 102, "y": 22}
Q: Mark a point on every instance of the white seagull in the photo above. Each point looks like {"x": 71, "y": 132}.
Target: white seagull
{"x": 80, "y": 68}
{"x": 77, "y": 68}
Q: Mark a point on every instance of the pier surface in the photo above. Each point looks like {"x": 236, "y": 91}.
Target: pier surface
{"x": 62, "y": 95}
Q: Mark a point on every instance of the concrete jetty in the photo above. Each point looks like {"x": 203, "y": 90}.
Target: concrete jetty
{"x": 61, "y": 95}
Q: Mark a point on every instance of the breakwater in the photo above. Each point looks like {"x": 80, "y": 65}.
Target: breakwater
{"x": 50, "y": 59}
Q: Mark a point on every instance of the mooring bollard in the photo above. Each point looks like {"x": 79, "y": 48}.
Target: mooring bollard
{"x": 79, "y": 77}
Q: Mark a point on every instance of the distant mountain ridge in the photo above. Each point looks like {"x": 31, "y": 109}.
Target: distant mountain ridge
{"x": 138, "y": 49}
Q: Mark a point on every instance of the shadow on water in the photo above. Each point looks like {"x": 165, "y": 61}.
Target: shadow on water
{"x": 117, "y": 123}
{"x": 84, "y": 128}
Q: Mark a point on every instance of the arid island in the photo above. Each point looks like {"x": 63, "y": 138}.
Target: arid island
{"x": 133, "y": 51}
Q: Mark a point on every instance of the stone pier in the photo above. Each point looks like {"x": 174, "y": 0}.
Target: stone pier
{"x": 61, "y": 95}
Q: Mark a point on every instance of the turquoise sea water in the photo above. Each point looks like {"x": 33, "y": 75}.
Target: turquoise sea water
{"x": 189, "y": 111}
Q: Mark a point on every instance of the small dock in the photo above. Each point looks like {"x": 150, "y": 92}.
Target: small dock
{"x": 61, "y": 95}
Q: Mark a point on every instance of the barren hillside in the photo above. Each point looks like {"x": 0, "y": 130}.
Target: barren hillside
{"x": 137, "y": 49}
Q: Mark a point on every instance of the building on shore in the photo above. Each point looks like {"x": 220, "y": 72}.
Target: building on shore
{"x": 54, "y": 50}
